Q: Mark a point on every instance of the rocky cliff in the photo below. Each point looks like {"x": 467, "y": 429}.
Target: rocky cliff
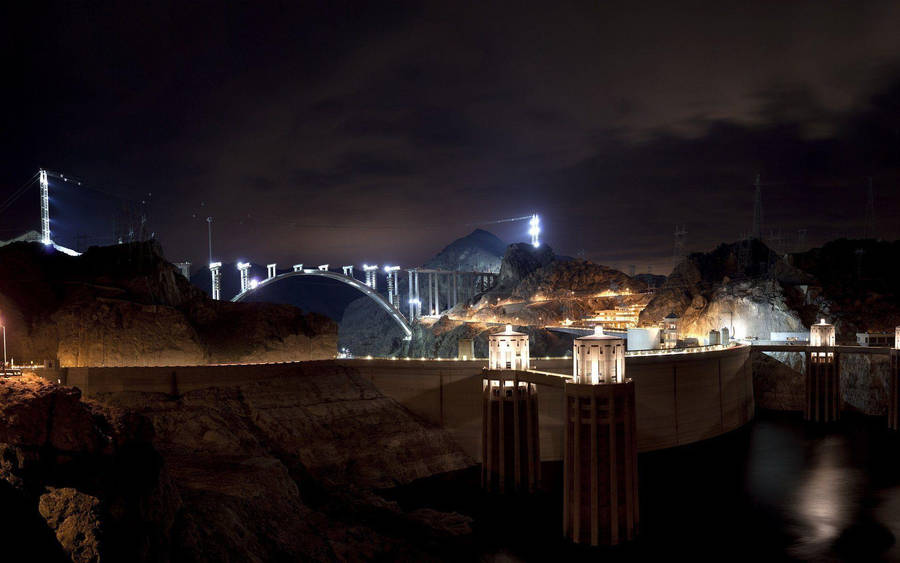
{"x": 536, "y": 287}
{"x": 125, "y": 305}
{"x": 743, "y": 286}
{"x": 479, "y": 251}
{"x": 859, "y": 279}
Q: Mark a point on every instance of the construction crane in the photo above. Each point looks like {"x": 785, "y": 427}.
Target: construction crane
{"x": 534, "y": 226}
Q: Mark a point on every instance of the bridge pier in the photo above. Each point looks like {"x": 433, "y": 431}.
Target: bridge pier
{"x": 215, "y": 269}
{"x": 510, "y": 438}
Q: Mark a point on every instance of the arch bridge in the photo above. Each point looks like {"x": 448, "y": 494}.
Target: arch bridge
{"x": 445, "y": 288}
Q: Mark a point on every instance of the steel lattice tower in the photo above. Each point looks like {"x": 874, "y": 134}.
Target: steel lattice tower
{"x": 45, "y": 208}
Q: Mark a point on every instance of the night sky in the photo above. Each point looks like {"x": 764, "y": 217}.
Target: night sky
{"x": 342, "y": 133}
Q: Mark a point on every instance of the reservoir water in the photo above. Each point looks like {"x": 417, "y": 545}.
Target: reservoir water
{"x": 777, "y": 489}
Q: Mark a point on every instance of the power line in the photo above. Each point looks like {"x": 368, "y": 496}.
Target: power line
{"x": 18, "y": 193}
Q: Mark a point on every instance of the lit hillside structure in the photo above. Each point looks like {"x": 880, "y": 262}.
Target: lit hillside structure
{"x": 599, "y": 358}
{"x": 600, "y": 478}
{"x": 508, "y": 350}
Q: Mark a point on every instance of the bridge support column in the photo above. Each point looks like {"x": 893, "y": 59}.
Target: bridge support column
{"x": 409, "y": 293}
{"x": 244, "y": 269}
{"x": 894, "y": 406}
{"x": 215, "y": 269}
{"x": 600, "y": 480}
{"x": 823, "y": 386}
{"x": 437, "y": 294}
{"x": 270, "y": 271}
{"x": 510, "y": 440}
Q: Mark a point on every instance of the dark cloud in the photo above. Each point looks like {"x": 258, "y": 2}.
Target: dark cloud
{"x": 341, "y": 131}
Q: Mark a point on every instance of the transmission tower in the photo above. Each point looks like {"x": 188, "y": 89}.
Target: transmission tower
{"x": 756, "y": 231}
{"x": 869, "y": 229}
{"x": 679, "y": 252}
{"x": 45, "y": 207}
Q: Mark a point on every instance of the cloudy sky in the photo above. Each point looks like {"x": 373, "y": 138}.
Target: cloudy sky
{"x": 342, "y": 132}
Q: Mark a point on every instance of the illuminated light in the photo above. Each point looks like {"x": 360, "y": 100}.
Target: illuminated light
{"x": 254, "y": 283}
{"x": 244, "y": 269}
{"x": 45, "y": 208}
{"x": 535, "y": 230}
{"x": 324, "y": 267}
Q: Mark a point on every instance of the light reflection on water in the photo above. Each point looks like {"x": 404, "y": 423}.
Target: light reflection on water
{"x": 824, "y": 504}
{"x": 778, "y": 489}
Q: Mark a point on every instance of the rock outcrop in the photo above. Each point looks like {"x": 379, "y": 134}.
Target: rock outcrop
{"x": 125, "y": 305}
{"x": 743, "y": 286}
{"x": 479, "y": 251}
{"x": 86, "y": 476}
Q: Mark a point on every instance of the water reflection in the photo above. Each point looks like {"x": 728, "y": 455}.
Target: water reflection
{"x": 777, "y": 489}
{"x": 826, "y": 498}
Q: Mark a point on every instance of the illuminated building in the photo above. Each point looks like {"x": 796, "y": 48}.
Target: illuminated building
{"x": 875, "y": 338}
{"x": 600, "y": 478}
{"x": 670, "y": 328}
{"x": 598, "y": 358}
{"x": 508, "y": 350}
{"x": 823, "y": 370}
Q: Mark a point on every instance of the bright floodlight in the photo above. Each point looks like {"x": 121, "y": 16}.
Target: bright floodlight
{"x": 535, "y": 230}
{"x": 254, "y": 283}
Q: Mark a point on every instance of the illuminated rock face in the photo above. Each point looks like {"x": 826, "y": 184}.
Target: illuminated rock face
{"x": 127, "y": 306}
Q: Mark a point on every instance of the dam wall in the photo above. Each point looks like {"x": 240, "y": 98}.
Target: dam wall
{"x": 681, "y": 397}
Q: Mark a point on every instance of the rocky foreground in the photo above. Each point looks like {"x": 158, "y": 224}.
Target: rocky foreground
{"x": 282, "y": 469}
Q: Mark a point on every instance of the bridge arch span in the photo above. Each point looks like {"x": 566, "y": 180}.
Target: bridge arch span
{"x": 353, "y": 282}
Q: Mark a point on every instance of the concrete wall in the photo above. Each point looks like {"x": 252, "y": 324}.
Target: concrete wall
{"x": 681, "y": 398}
